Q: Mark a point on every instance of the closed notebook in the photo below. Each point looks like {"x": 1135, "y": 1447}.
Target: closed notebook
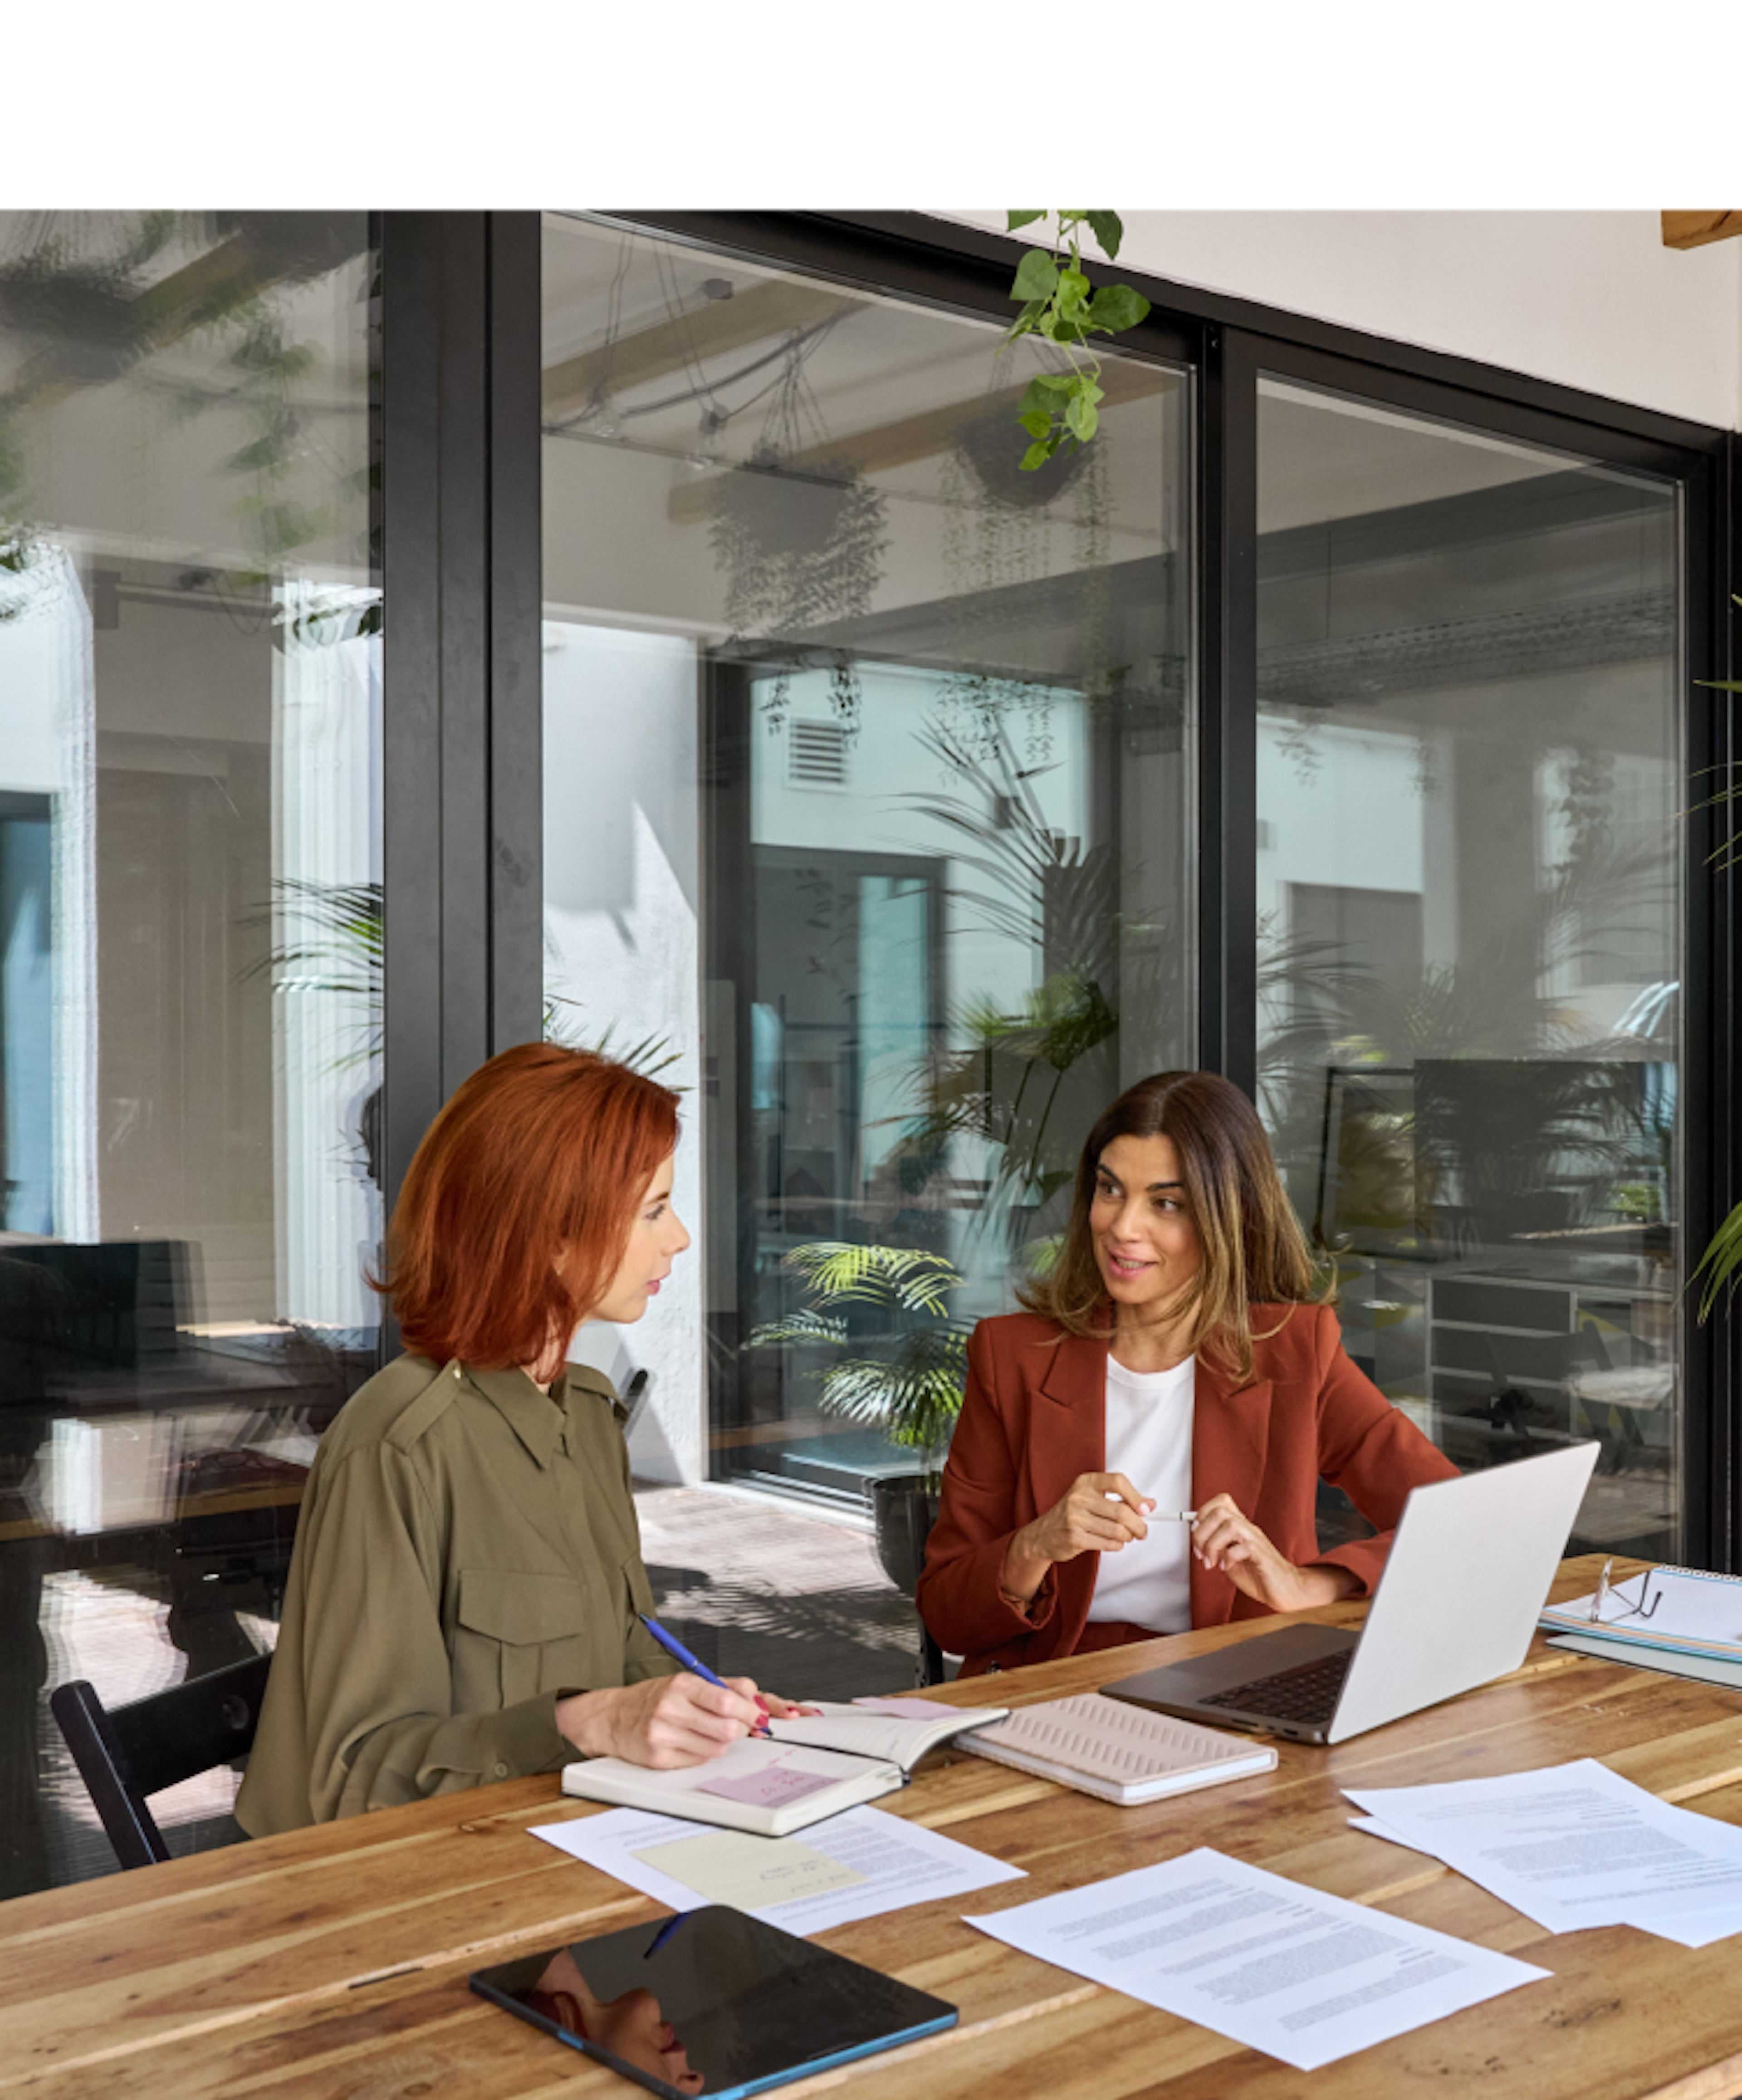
{"x": 1118, "y": 1752}
{"x": 802, "y": 1771}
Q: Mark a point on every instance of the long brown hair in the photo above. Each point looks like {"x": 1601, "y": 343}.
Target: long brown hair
{"x": 543, "y": 1147}
{"x": 1254, "y": 1251}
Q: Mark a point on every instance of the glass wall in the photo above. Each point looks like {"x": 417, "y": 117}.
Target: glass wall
{"x": 868, "y": 796}
{"x": 1468, "y": 782}
{"x": 190, "y": 922}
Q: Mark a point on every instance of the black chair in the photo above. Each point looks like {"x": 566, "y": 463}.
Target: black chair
{"x": 126, "y": 1755}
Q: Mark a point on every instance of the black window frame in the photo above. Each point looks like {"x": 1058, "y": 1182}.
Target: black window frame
{"x": 459, "y": 499}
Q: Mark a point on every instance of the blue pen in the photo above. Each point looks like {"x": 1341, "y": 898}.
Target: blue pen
{"x": 675, "y": 1649}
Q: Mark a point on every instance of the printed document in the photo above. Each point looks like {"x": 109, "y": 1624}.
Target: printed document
{"x": 856, "y": 1865}
{"x": 1574, "y": 1845}
{"x": 1306, "y": 1977}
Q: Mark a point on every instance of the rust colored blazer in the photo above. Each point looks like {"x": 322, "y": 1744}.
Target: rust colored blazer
{"x": 1034, "y": 1416}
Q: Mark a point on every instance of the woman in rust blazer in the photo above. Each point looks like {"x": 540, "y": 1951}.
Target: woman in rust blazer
{"x": 1183, "y": 1284}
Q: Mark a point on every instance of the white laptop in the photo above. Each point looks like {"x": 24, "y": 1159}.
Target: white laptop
{"x": 1469, "y": 1571}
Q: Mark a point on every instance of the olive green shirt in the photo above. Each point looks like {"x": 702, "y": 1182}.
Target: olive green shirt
{"x": 467, "y": 1555}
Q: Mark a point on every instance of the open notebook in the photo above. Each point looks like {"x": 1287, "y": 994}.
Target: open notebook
{"x": 1118, "y": 1752}
{"x": 899, "y": 1739}
{"x": 800, "y": 1772}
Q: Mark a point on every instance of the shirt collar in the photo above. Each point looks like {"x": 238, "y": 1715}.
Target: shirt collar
{"x": 537, "y": 1418}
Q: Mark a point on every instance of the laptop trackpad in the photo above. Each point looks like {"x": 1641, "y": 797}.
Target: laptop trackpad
{"x": 1241, "y": 1662}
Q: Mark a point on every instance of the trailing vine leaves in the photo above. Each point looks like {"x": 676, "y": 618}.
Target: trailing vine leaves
{"x": 1062, "y": 409}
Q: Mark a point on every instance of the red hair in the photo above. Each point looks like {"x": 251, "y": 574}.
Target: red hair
{"x": 540, "y": 1149}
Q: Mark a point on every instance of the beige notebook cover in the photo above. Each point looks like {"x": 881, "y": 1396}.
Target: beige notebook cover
{"x": 1118, "y": 1752}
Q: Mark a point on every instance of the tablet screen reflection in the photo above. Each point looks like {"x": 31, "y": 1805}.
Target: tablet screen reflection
{"x": 632, "y": 2026}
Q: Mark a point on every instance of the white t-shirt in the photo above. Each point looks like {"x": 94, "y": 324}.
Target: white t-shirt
{"x": 1148, "y": 1582}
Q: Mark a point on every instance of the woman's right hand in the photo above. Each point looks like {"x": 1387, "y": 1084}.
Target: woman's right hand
{"x": 664, "y": 1722}
{"x": 1098, "y": 1513}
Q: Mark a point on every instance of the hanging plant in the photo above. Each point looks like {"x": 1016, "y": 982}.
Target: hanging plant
{"x": 798, "y": 550}
{"x": 1062, "y": 409}
{"x": 800, "y": 545}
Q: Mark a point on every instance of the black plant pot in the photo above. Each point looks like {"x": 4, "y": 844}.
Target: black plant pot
{"x": 904, "y": 1511}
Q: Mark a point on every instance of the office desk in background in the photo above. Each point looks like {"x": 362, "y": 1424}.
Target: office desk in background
{"x": 333, "y": 1960}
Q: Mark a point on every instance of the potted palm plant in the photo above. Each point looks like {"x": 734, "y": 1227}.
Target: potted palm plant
{"x": 896, "y": 1360}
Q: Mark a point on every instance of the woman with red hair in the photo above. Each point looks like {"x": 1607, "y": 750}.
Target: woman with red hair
{"x": 463, "y": 1599}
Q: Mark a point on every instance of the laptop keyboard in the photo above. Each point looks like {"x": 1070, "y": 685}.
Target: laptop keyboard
{"x": 1308, "y": 1692}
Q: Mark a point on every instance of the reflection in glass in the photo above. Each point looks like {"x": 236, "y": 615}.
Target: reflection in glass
{"x": 712, "y": 2000}
{"x": 882, "y": 744}
{"x": 189, "y": 945}
{"x": 1468, "y": 902}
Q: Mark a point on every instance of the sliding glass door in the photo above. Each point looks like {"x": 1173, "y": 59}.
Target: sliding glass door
{"x": 1469, "y": 774}
{"x": 869, "y": 766}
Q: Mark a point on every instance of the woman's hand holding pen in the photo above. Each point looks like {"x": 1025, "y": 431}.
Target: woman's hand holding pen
{"x": 668, "y": 1722}
{"x": 1098, "y": 1513}
{"x": 1224, "y": 1538}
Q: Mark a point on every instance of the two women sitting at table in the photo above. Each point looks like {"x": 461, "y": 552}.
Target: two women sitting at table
{"x": 463, "y": 1599}
{"x": 1139, "y": 1452}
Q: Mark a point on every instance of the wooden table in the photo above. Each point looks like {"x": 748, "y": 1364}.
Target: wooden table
{"x": 331, "y": 1964}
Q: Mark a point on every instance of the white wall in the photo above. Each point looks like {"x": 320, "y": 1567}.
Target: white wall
{"x": 1589, "y": 299}
{"x": 621, "y": 869}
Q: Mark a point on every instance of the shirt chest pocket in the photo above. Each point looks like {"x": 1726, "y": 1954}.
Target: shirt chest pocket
{"x": 519, "y": 1635}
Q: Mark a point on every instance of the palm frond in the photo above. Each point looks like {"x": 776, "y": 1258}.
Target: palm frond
{"x": 802, "y": 1327}
{"x": 838, "y": 1272}
{"x": 1721, "y": 1264}
{"x": 914, "y": 1398}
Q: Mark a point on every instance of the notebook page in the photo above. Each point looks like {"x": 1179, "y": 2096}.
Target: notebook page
{"x": 895, "y": 1739}
{"x": 1106, "y": 1739}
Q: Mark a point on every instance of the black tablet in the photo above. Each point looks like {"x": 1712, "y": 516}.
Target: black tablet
{"x": 712, "y": 2001}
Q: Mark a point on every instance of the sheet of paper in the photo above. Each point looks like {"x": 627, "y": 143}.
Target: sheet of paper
{"x": 749, "y": 1872}
{"x": 908, "y": 1708}
{"x": 1375, "y": 1829}
{"x": 1306, "y": 1977}
{"x": 897, "y": 1863}
{"x": 1571, "y": 1846}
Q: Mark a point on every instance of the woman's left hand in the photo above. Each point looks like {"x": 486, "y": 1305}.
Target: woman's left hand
{"x": 1225, "y": 1538}
{"x": 786, "y": 1709}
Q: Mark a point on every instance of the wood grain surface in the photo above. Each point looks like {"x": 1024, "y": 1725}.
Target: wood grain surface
{"x": 331, "y": 1964}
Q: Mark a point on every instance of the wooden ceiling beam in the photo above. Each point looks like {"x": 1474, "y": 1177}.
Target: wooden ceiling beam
{"x": 752, "y": 315}
{"x": 1694, "y": 229}
{"x": 919, "y": 437}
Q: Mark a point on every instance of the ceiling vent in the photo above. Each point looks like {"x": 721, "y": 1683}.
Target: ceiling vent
{"x": 816, "y": 754}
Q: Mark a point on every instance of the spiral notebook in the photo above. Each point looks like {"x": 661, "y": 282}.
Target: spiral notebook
{"x": 1674, "y": 1611}
{"x": 1118, "y": 1752}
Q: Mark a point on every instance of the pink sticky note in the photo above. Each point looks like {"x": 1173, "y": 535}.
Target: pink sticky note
{"x": 773, "y": 1787}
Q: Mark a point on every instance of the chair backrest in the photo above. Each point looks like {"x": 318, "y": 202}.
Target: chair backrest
{"x": 126, "y": 1755}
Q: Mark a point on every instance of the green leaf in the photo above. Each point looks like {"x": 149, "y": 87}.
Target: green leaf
{"x": 1721, "y": 1263}
{"x": 1108, "y": 230}
{"x": 1037, "y": 276}
{"x": 1081, "y": 418}
{"x": 1038, "y": 422}
{"x": 1014, "y": 220}
{"x": 1073, "y": 291}
{"x": 1037, "y": 455}
{"x": 1043, "y": 390}
{"x": 1117, "y": 307}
